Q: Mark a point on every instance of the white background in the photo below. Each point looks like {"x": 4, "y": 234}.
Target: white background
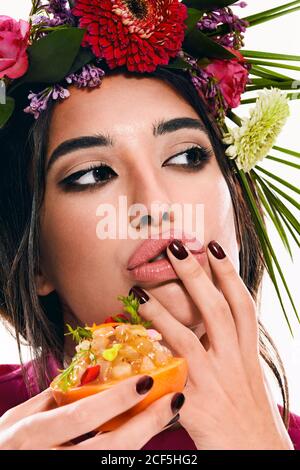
{"x": 281, "y": 36}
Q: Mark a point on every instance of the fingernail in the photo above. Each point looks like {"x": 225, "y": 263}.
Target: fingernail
{"x": 144, "y": 384}
{"x": 140, "y": 294}
{"x": 174, "y": 420}
{"x": 216, "y": 249}
{"x": 178, "y": 249}
{"x": 177, "y": 402}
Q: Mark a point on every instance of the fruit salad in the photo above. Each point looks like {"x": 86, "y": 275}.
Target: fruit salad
{"x": 114, "y": 350}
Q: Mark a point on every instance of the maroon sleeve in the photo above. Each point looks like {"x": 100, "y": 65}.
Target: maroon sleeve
{"x": 294, "y": 430}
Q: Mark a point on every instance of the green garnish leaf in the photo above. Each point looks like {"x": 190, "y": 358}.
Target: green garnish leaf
{"x": 79, "y": 333}
{"x": 131, "y": 306}
{"x": 64, "y": 380}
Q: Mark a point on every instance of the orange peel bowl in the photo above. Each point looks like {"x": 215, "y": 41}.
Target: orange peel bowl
{"x": 169, "y": 378}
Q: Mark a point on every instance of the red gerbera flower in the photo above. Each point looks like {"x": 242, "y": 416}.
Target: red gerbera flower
{"x": 141, "y": 34}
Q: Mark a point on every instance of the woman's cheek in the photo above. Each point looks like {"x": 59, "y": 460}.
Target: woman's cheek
{"x": 83, "y": 268}
{"x": 219, "y": 219}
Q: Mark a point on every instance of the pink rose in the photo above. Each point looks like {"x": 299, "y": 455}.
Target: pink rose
{"x": 232, "y": 77}
{"x": 14, "y": 36}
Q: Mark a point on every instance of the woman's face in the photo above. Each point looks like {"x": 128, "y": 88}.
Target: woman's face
{"x": 87, "y": 272}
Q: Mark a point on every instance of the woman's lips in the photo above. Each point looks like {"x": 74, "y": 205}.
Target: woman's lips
{"x": 161, "y": 270}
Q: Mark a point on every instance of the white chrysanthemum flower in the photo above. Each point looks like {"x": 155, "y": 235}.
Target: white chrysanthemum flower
{"x": 251, "y": 142}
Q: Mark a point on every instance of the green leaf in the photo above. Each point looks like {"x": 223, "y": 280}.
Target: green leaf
{"x": 271, "y": 11}
{"x": 290, "y": 229}
{"x": 269, "y": 55}
{"x": 265, "y": 73}
{"x": 234, "y": 117}
{"x": 276, "y": 221}
{"x": 6, "y": 110}
{"x": 269, "y": 254}
{"x": 131, "y": 305}
{"x": 287, "y": 151}
{"x": 178, "y": 63}
{"x": 208, "y": 5}
{"x": 84, "y": 56}
{"x": 266, "y": 18}
{"x": 281, "y": 207}
{"x": 285, "y": 162}
{"x": 274, "y": 64}
{"x": 283, "y": 194}
{"x": 277, "y": 178}
{"x": 199, "y": 45}
{"x": 192, "y": 19}
{"x": 79, "y": 333}
{"x": 272, "y": 212}
{"x": 52, "y": 56}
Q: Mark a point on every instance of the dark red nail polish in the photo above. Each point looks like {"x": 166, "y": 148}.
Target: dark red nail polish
{"x": 178, "y": 249}
{"x": 174, "y": 420}
{"x": 144, "y": 384}
{"x": 177, "y": 402}
{"x": 140, "y": 294}
{"x": 216, "y": 249}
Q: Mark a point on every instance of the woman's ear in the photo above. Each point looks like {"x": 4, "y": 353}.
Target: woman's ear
{"x": 43, "y": 284}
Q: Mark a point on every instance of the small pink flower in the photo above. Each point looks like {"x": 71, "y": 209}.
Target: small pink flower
{"x": 232, "y": 76}
{"x": 14, "y": 37}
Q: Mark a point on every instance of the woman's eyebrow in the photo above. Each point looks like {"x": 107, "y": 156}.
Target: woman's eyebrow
{"x": 105, "y": 140}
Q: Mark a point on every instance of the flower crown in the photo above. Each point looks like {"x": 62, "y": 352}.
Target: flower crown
{"x": 74, "y": 41}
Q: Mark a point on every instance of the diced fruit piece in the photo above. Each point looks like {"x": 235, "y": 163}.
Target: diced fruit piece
{"x": 143, "y": 346}
{"x": 83, "y": 345}
{"x": 154, "y": 335}
{"x": 129, "y": 353}
{"x": 147, "y": 364}
{"x": 111, "y": 353}
{"x": 90, "y": 374}
{"x": 99, "y": 343}
{"x": 122, "y": 333}
{"x": 120, "y": 371}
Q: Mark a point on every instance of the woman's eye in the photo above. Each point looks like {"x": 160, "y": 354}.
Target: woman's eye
{"x": 192, "y": 158}
{"x": 95, "y": 175}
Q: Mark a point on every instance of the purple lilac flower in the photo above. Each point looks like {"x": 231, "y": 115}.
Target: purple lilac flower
{"x": 39, "y": 101}
{"x": 90, "y": 76}
{"x": 58, "y": 13}
{"x": 210, "y": 22}
{"x": 207, "y": 87}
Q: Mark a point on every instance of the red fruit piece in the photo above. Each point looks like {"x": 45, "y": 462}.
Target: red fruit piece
{"x": 114, "y": 319}
{"x": 90, "y": 374}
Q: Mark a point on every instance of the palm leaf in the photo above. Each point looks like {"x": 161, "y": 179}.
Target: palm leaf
{"x": 272, "y": 212}
{"x": 270, "y": 257}
{"x": 287, "y": 151}
{"x": 285, "y": 162}
{"x": 269, "y": 55}
{"x": 273, "y": 64}
{"x": 283, "y": 194}
{"x": 277, "y": 178}
{"x": 272, "y": 11}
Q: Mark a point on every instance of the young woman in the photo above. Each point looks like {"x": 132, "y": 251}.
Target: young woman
{"x": 146, "y": 137}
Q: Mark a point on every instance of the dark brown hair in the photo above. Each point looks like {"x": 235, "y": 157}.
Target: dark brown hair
{"x": 39, "y": 320}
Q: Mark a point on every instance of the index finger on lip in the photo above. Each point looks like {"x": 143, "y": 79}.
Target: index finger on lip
{"x": 211, "y": 303}
{"x": 178, "y": 336}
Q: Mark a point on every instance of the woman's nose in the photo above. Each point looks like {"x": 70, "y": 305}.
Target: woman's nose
{"x": 155, "y": 219}
{"x": 150, "y": 198}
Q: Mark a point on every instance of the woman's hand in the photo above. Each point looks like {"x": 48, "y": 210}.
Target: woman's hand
{"x": 38, "y": 424}
{"x": 227, "y": 403}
